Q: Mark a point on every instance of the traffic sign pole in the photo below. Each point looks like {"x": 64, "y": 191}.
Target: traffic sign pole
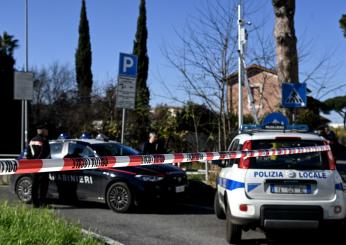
{"x": 126, "y": 88}
{"x": 123, "y": 126}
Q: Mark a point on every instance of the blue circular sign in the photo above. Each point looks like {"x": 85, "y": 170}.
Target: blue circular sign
{"x": 275, "y": 118}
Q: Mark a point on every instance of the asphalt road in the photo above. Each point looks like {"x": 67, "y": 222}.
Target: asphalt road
{"x": 190, "y": 222}
{"x": 165, "y": 223}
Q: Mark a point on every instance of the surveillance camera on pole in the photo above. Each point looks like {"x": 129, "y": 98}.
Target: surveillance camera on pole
{"x": 242, "y": 76}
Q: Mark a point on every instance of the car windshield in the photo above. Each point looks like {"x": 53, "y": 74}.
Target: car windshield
{"x": 306, "y": 161}
{"x": 113, "y": 149}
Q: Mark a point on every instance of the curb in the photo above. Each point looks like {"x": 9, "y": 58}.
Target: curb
{"x": 107, "y": 240}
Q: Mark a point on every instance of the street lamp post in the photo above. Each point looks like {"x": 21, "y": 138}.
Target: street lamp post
{"x": 25, "y": 102}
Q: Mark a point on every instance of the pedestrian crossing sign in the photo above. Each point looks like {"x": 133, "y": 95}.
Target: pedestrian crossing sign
{"x": 293, "y": 95}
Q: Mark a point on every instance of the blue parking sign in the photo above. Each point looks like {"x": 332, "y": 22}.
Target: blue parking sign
{"x": 294, "y": 95}
{"x": 128, "y": 65}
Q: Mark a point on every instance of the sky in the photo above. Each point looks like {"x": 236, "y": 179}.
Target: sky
{"x": 53, "y": 36}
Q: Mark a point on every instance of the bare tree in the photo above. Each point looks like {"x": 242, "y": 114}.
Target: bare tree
{"x": 54, "y": 90}
{"x": 50, "y": 82}
{"x": 207, "y": 58}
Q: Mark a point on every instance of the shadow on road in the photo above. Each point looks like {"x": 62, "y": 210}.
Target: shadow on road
{"x": 198, "y": 200}
{"x": 325, "y": 236}
{"x": 253, "y": 242}
{"x": 200, "y": 193}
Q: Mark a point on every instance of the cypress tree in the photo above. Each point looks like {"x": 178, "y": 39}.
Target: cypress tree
{"x": 142, "y": 107}
{"x": 83, "y": 59}
{"x": 342, "y": 23}
{"x": 10, "y": 124}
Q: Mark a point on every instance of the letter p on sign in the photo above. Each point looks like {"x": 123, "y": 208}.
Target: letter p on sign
{"x": 128, "y": 65}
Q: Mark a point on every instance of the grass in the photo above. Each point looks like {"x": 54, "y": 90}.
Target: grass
{"x": 193, "y": 165}
{"x": 23, "y": 225}
{"x": 341, "y": 135}
{"x": 197, "y": 177}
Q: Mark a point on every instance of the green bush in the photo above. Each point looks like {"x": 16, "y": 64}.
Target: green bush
{"x": 22, "y": 225}
{"x": 341, "y": 135}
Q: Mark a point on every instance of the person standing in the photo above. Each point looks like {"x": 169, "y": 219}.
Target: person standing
{"x": 153, "y": 145}
{"x": 38, "y": 148}
{"x": 332, "y": 140}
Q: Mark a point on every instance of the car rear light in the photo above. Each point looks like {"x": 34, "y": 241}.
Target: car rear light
{"x": 243, "y": 207}
{"x": 331, "y": 160}
{"x": 245, "y": 162}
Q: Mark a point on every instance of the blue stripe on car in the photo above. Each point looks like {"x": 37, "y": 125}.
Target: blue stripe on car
{"x": 308, "y": 189}
{"x": 230, "y": 184}
{"x": 339, "y": 187}
{"x": 252, "y": 186}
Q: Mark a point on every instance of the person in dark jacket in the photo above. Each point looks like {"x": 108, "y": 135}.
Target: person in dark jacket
{"x": 153, "y": 146}
{"x": 38, "y": 148}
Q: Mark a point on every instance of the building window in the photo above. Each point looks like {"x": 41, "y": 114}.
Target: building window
{"x": 256, "y": 92}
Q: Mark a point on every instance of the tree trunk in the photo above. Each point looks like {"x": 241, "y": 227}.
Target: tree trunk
{"x": 286, "y": 44}
{"x": 223, "y": 119}
{"x": 219, "y": 132}
{"x": 196, "y": 129}
{"x": 286, "y": 41}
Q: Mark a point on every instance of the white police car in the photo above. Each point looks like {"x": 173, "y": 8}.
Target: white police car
{"x": 278, "y": 192}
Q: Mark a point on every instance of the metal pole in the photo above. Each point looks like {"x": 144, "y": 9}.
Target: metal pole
{"x": 206, "y": 171}
{"x": 123, "y": 127}
{"x": 26, "y": 37}
{"x": 22, "y": 127}
{"x": 240, "y": 70}
{"x": 26, "y": 69}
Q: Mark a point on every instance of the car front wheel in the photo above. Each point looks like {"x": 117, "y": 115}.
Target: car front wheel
{"x": 119, "y": 197}
{"x": 24, "y": 189}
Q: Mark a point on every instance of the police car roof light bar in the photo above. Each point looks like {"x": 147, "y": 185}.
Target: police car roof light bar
{"x": 250, "y": 128}
{"x": 85, "y": 135}
{"x": 63, "y": 136}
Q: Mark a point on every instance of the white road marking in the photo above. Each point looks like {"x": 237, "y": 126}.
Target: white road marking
{"x": 107, "y": 240}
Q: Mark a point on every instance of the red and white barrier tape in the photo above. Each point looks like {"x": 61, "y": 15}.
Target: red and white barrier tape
{"x": 25, "y": 166}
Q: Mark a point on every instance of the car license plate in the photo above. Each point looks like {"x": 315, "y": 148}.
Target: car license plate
{"x": 179, "y": 189}
{"x": 290, "y": 189}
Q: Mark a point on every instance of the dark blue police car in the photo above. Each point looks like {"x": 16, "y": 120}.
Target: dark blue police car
{"x": 119, "y": 188}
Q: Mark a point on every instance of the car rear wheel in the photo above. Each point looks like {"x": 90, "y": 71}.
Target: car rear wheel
{"x": 23, "y": 189}
{"x": 217, "y": 208}
{"x": 119, "y": 197}
{"x": 233, "y": 232}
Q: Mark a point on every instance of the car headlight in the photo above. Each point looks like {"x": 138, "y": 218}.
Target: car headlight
{"x": 149, "y": 178}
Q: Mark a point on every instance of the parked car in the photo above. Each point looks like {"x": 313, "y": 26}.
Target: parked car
{"x": 278, "y": 192}
{"x": 120, "y": 188}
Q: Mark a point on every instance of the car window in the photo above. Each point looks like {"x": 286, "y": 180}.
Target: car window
{"x": 106, "y": 149}
{"x": 55, "y": 149}
{"x": 306, "y": 161}
{"x": 79, "y": 150}
{"x": 233, "y": 147}
{"x": 113, "y": 149}
{"x": 127, "y": 151}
